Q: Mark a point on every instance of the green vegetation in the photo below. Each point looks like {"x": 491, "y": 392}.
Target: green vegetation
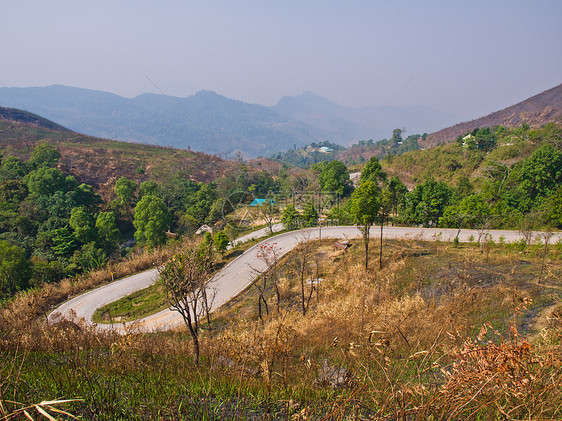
{"x": 309, "y": 155}
{"x": 65, "y": 228}
{"x": 137, "y": 305}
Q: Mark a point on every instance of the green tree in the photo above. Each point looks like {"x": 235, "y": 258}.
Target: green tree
{"x": 187, "y": 224}
{"x": 541, "y": 173}
{"x": 341, "y": 215}
{"x": 88, "y": 257}
{"x": 202, "y": 201}
{"x": 398, "y": 192}
{"x": 309, "y": 215}
{"x": 86, "y": 196}
{"x": 471, "y": 212}
{"x": 46, "y": 181}
{"x": 464, "y": 187}
{"x": 334, "y": 177}
{"x": 485, "y": 140}
{"x": 148, "y": 187}
{"x": 152, "y": 219}
{"x": 45, "y": 155}
{"x": 365, "y": 205}
{"x": 64, "y": 242}
{"x": 552, "y": 209}
{"x": 15, "y": 269}
{"x": 83, "y": 225}
{"x": 373, "y": 171}
{"x": 125, "y": 190}
{"x": 396, "y": 136}
{"x": 221, "y": 242}
{"x": 291, "y": 218}
{"x": 12, "y": 169}
{"x": 427, "y": 202}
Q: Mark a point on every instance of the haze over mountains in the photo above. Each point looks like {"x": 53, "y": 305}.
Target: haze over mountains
{"x": 212, "y": 123}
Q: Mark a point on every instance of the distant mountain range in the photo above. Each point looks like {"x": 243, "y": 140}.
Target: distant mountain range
{"x": 345, "y": 125}
{"x": 214, "y": 124}
{"x": 536, "y": 111}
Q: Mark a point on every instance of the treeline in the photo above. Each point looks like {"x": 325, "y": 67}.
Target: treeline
{"x": 513, "y": 178}
{"x": 514, "y": 182}
{"x": 53, "y": 227}
{"x": 357, "y": 153}
{"x": 308, "y": 155}
{"x": 360, "y": 152}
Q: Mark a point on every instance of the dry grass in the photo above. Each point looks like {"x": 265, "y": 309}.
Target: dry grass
{"x": 438, "y": 333}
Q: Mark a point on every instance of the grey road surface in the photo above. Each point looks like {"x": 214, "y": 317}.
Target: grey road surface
{"x": 243, "y": 270}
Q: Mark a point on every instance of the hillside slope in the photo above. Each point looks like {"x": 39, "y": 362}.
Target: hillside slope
{"x": 100, "y": 162}
{"x": 536, "y": 111}
{"x": 19, "y": 116}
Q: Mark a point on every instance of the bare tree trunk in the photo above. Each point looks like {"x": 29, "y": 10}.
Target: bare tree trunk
{"x": 366, "y": 231}
{"x": 195, "y": 339}
{"x": 547, "y": 236}
{"x": 380, "y": 255}
{"x": 278, "y": 296}
{"x": 302, "y": 293}
{"x": 206, "y": 306}
{"x": 191, "y": 324}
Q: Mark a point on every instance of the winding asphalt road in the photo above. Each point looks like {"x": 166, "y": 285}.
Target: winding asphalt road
{"x": 242, "y": 271}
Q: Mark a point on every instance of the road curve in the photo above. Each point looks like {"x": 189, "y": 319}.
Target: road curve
{"x": 242, "y": 271}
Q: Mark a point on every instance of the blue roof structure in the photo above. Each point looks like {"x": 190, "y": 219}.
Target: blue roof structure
{"x": 258, "y": 202}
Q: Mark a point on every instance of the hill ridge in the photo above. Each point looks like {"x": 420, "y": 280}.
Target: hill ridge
{"x": 538, "y": 110}
{"x": 25, "y": 117}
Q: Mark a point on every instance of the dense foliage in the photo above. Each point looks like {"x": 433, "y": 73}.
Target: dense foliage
{"x": 489, "y": 178}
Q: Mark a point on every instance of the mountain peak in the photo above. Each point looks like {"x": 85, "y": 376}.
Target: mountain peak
{"x": 306, "y": 99}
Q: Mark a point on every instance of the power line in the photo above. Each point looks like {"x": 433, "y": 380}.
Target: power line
{"x": 381, "y": 110}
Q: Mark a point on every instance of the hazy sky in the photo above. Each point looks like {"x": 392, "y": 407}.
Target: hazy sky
{"x": 471, "y": 57}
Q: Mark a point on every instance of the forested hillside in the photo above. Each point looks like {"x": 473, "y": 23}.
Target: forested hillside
{"x": 70, "y": 203}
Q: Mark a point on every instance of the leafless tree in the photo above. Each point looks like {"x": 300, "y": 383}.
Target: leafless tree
{"x": 268, "y": 211}
{"x": 186, "y": 280}
{"x": 302, "y": 269}
{"x": 526, "y": 227}
{"x": 483, "y": 234}
{"x": 269, "y": 254}
{"x": 261, "y": 286}
{"x": 495, "y": 176}
{"x": 546, "y": 236}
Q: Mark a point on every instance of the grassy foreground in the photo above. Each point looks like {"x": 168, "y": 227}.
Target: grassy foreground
{"x": 440, "y": 332}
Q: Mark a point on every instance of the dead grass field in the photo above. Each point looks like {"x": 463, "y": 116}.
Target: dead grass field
{"x": 440, "y": 332}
